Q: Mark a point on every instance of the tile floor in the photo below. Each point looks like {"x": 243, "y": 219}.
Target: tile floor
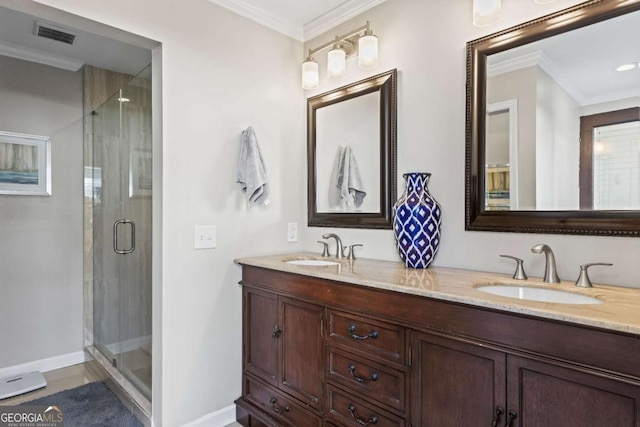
{"x": 57, "y": 380}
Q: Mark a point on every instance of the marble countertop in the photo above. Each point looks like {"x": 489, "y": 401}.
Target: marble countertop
{"x": 619, "y": 311}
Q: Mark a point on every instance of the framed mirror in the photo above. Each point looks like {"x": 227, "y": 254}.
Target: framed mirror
{"x": 553, "y": 124}
{"x": 351, "y": 149}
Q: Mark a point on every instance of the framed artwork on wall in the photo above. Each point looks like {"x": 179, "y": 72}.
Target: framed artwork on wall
{"x": 25, "y": 164}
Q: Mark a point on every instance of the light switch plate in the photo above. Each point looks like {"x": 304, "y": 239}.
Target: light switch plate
{"x": 292, "y": 232}
{"x": 204, "y": 237}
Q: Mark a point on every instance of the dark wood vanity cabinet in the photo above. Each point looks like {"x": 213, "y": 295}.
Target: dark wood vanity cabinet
{"x": 324, "y": 353}
{"x": 283, "y": 358}
{"x": 455, "y": 381}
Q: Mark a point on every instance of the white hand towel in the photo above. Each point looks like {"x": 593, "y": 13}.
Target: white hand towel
{"x": 349, "y": 180}
{"x": 252, "y": 173}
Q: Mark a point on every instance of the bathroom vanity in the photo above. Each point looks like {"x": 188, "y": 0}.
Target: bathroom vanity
{"x": 369, "y": 342}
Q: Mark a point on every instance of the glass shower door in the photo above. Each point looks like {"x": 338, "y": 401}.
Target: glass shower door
{"x": 122, "y": 231}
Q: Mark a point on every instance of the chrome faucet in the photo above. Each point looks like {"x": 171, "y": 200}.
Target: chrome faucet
{"x": 550, "y": 271}
{"x": 339, "y": 249}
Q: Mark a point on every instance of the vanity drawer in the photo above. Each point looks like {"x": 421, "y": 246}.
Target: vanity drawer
{"x": 351, "y": 411}
{"x": 369, "y": 336}
{"x": 371, "y": 379}
{"x": 279, "y": 406}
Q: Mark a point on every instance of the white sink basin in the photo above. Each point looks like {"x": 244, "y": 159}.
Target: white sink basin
{"x": 312, "y": 262}
{"x": 538, "y": 294}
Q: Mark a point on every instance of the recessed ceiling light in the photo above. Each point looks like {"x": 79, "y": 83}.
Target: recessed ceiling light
{"x": 626, "y": 67}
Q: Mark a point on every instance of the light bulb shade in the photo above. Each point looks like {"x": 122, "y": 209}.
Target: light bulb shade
{"x": 486, "y": 12}
{"x": 336, "y": 63}
{"x": 368, "y": 51}
{"x": 310, "y": 74}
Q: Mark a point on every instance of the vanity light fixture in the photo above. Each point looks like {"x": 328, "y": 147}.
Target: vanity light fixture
{"x": 486, "y": 12}
{"x": 310, "y": 75}
{"x": 336, "y": 61}
{"x": 361, "y": 42}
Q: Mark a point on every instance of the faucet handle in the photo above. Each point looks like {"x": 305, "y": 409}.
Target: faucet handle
{"x": 325, "y": 248}
{"x": 351, "y": 255}
{"x": 519, "y": 273}
{"x": 583, "y": 279}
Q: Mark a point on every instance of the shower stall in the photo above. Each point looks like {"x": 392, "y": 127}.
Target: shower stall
{"x": 118, "y": 146}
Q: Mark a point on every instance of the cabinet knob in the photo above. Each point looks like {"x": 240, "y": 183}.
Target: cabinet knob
{"x": 372, "y": 418}
{"x": 276, "y": 332}
{"x": 352, "y": 331}
{"x": 512, "y": 416}
{"x": 496, "y": 418}
{"x": 352, "y": 370}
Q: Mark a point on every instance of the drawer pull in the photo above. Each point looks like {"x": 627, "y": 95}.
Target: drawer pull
{"x": 352, "y": 370}
{"x": 273, "y": 401}
{"x": 352, "y": 331}
{"x": 512, "y": 416}
{"x": 372, "y": 419}
{"x": 496, "y": 418}
{"x": 276, "y": 332}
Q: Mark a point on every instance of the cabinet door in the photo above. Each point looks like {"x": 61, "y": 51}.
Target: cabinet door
{"x": 544, "y": 394}
{"x": 260, "y": 317}
{"x": 302, "y": 351}
{"x": 455, "y": 383}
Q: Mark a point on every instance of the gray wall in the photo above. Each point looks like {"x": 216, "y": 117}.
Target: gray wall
{"x": 41, "y": 237}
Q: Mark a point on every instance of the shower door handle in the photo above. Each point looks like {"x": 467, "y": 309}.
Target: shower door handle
{"x": 115, "y": 236}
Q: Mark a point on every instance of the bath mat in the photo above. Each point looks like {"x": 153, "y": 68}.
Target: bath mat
{"x": 91, "y": 404}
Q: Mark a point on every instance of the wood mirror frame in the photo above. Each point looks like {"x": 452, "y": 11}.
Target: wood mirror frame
{"x": 386, "y": 85}
{"x": 590, "y": 222}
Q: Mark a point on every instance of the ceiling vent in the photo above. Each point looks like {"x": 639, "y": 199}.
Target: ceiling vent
{"x": 54, "y": 32}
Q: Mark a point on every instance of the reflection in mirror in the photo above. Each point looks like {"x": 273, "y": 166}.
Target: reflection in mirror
{"x": 502, "y": 156}
{"x": 348, "y": 181}
{"x": 534, "y": 171}
{"x": 351, "y": 133}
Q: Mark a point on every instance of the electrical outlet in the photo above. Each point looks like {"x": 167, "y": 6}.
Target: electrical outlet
{"x": 204, "y": 237}
{"x": 292, "y": 232}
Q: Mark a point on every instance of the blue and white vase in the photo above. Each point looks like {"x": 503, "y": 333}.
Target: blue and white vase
{"x": 416, "y": 222}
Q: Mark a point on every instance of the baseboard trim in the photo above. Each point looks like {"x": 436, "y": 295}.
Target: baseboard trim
{"x": 44, "y": 365}
{"x": 219, "y": 418}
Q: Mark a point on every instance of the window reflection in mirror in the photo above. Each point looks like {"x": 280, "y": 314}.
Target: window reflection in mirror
{"x": 610, "y": 160}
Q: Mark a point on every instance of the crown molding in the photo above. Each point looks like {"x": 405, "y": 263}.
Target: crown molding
{"x": 337, "y": 16}
{"x": 26, "y": 54}
{"x": 512, "y": 64}
{"x": 262, "y": 17}
{"x": 304, "y": 33}
{"x": 539, "y": 59}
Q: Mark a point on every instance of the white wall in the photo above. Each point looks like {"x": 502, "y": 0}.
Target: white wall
{"x": 426, "y": 41}
{"x": 558, "y": 146}
{"x": 220, "y": 74}
{"x": 41, "y": 236}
